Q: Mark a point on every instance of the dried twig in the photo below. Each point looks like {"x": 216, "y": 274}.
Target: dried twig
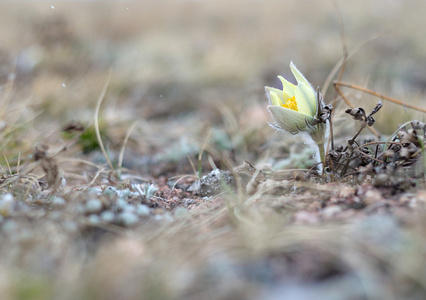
{"x": 338, "y": 84}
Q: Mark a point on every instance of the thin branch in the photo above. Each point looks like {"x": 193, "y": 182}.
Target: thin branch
{"x": 393, "y": 100}
{"x": 366, "y": 155}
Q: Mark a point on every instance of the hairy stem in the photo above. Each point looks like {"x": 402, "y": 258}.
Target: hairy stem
{"x": 321, "y": 152}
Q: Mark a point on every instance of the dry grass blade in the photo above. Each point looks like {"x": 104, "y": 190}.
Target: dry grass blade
{"x": 123, "y": 147}
{"x": 94, "y": 179}
{"x": 192, "y": 165}
{"x": 8, "y": 165}
{"x": 180, "y": 177}
{"x": 18, "y": 163}
{"x": 200, "y": 154}
{"x": 98, "y": 106}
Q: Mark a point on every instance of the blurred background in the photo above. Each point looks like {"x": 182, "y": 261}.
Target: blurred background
{"x": 186, "y": 70}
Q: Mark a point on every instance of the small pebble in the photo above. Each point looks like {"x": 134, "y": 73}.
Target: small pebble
{"x": 130, "y": 208}
{"x": 142, "y": 210}
{"x": 94, "y": 219}
{"x": 107, "y": 216}
{"x": 58, "y": 202}
{"x": 6, "y": 204}
{"x": 93, "y": 206}
{"x": 121, "y": 204}
{"x": 164, "y": 217}
{"x": 128, "y": 218}
{"x": 110, "y": 191}
{"x": 7, "y": 197}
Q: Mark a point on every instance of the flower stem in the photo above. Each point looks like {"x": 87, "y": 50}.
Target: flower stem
{"x": 320, "y": 146}
{"x": 318, "y": 137}
{"x": 321, "y": 152}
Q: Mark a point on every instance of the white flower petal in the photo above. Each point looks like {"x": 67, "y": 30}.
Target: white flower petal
{"x": 288, "y": 87}
{"x": 274, "y": 96}
{"x": 289, "y": 120}
{"x": 271, "y": 89}
{"x": 306, "y": 100}
{"x": 299, "y": 76}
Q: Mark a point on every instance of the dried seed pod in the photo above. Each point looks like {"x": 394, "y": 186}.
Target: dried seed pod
{"x": 368, "y": 169}
{"x": 417, "y": 125}
{"x": 413, "y": 137}
{"x": 365, "y": 159}
{"x": 347, "y": 154}
{"x": 370, "y": 121}
{"x": 381, "y": 179}
{"x": 333, "y": 155}
{"x": 325, "y": 113}
{"x": 404, "y": 153}
{"x": 388, "y": 154}
{"x": 404, "y": 138}
{"x": 376, "y": 108}
{"x": 73, "y": 126}
{"x": 390, "y": 168}
{"x": 365, "y": 150}
{"x": 356, "y": 113}
{"x": 395, "y": 147}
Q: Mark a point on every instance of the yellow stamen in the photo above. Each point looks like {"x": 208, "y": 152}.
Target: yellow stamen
{"x": 291, "y": 103}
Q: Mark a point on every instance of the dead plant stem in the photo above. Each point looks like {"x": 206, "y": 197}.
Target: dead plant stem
{"x": 357, "y": 87}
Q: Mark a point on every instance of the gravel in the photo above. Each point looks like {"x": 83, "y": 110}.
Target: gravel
{"x": 128, "y": 218}
{"x": 93, "y": 206}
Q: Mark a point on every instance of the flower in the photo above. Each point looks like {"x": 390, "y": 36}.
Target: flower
{"x": 295, "y": 107}
{"x": 298, "y": 108}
